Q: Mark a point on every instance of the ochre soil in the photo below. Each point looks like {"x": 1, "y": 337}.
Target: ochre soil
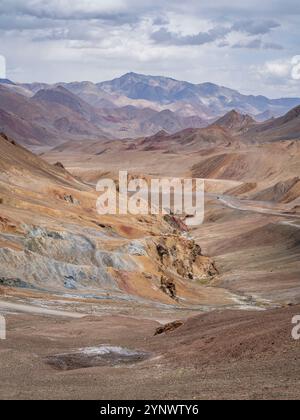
{"x": 219, "y": 355}
{"x": 240, "y": 354}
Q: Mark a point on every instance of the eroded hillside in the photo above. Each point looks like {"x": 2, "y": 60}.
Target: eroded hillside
{"x": 53, "y": 241}
{"x": 252, "y": 208}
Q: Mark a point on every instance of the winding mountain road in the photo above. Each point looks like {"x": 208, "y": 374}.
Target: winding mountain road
{"x": 254, "y": 206}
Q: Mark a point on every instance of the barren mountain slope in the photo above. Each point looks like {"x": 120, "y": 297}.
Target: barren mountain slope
{"x": 55, "y": 114}
{"x": 214, "y": 153}
{"x": 57, "y": 254}
{"x": 276, "y": 129}
{"x": 47, "y": 118}
{"x": 253, "y": 200}
{"x": 205, "y": 100}
{"x": 53, "y": 240}
{"x": 137, "y": 105}
{"x": 235, "y": 122}
{"x": 256, "y": 247}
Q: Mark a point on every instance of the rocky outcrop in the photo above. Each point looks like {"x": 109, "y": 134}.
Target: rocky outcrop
{"x": 52, "y": 240}
{"x": 168, "y": 287}
{"x": 59, "y": 165}
{"x": 176, "y": 223}
{"x": 51, "y": 259}
{"x": 183, "y": 257}
{"x": 168, "y": 328}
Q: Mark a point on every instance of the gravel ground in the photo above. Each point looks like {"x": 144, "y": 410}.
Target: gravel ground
{"x": 218, "y": 355}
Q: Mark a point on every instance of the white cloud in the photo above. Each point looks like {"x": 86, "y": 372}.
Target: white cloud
{"x": 282, "y": 69}
{"x": 2, "y": 67}
{"x": 62, "y": 9}
{"x": 296, "y": 67}
{"x": 279, "y": 68}
{"x": 281, "y": 76}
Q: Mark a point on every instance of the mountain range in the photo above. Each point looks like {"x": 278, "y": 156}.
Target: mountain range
{"x": 133, "y": 105}
{"x": 206, "y": 100}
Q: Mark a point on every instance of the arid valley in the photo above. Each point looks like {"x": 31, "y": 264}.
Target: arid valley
{"x": 147, "y": 307}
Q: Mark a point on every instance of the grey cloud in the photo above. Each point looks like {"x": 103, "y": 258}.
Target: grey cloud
{"x": 224, "y": 9}
{"x": 249, "y": 27}
{"x": 252, "y": 27}
{"x": 258, "y": 44}
{"x": 76, "y": 32}
{"x": 272, "y": 46}
{"x": 73, "y": 10}
{"x": 223, "y": 44}
{"x": 124, "y": 11}
{"x": 160, "y": 21}
{"x": 163, "y": 36}
{"x": 253, "y": 44}
{"x": 29, "y": 14}
{"x": 21, "y": 23}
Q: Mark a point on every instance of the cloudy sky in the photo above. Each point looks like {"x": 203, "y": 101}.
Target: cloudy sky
{"x": 250, "y": 45}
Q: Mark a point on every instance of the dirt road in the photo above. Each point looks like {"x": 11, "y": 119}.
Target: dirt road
{"x": 31, "y": 309}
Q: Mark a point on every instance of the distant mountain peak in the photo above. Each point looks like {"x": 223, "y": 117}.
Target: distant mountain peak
{"x": 234, "y": 120}
{"x": 286, "y": 127}
{"x": 6, "y": 82}
{"x": 161, "y": 133}
{"x": 55, "y": 88}
{"x": 60, "y": 95}
{"x": 146, "y": 76}
{"x": 292, "y": 114}
{"x": 131, "y": 73}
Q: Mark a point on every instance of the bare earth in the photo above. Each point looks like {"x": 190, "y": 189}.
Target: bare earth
{"x": 84, "y": 295}
{"x": 220, "y": 355}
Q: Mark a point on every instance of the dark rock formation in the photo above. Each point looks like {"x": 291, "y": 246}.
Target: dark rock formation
{"x": 165, "y": 329}
{"x": 168, "y": 287}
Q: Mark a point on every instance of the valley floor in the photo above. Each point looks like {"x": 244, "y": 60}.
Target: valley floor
{"x": 83, "y": 298}
{"x": 219, "y": 355}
